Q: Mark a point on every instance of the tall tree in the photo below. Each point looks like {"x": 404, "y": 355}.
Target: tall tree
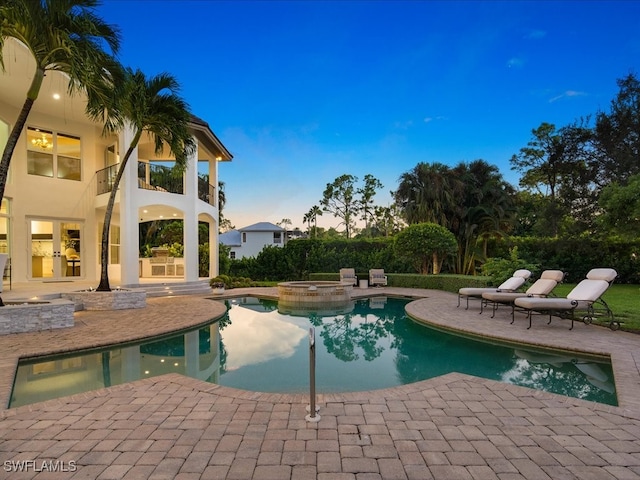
{"x": 339, "y": 199}
{"x": 428, "y": 193}
{"x": 65, "y": 36}
{"x": 544, "y": 165}
{"x": 365, "y": 203}
{"x": 558, "y": 168}
{"x": 486, "y": 210}
{"x": 621, "y": 208}
{"x": 387, "y": 220}
{"x": 312, "y": 216}
{"x": 151, "y": 106}
{"x": 617, "y": 134}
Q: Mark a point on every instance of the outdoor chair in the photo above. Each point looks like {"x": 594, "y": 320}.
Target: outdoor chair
{"x": 541, "y": 288}
{"x": 585, "y": 297}
{"x": 510, "y": 285}
{"x": 348, "y": 275}
{"x": 377, "y": 277}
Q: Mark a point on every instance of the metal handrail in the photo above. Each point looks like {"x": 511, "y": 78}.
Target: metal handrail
{"x": 155, "y": 177}
{"x": 106, "y": 178}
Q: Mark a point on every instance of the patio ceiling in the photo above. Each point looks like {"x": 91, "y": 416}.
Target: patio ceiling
{"x": 15, "y": 80}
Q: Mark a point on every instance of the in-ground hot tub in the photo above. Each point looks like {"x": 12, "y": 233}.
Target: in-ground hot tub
{"x": 314, "y": 293}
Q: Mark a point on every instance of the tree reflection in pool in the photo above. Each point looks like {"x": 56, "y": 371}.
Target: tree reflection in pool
{"x": 367, "y": 345}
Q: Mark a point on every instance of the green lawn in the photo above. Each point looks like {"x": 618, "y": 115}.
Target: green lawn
{"x": 624, "y": 301}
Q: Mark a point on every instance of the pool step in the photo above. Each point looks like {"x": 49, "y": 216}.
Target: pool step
{"x": 200, "y": 287}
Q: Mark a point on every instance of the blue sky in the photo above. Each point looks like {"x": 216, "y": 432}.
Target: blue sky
{"x": 302, "y": 92}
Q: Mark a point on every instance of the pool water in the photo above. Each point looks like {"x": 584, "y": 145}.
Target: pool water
{"x": 370, "y": 344}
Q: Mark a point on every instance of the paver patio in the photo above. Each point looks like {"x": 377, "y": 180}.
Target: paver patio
{"x": 452, "y": 427}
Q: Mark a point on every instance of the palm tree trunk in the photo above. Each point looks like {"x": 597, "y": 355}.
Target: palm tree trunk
{"x": 12, "y": 141}
{"x": 104, "y": 244}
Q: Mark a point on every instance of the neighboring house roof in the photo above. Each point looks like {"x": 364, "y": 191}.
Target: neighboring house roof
{"x": 262, "y": 227}
{"x": 230, "y": 238}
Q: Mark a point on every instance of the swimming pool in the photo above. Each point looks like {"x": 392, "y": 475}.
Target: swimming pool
{"x": 367, "y": 345}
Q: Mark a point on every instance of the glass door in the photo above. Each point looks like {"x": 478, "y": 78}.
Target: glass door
{"x": 55, "y": 249}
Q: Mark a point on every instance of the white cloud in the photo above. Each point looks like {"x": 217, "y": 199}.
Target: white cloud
{"x": 433, "y": 119}
{"x": 515, "y": 62}
{"x": 568, "y": 93}
{"x": 535, "y": 34}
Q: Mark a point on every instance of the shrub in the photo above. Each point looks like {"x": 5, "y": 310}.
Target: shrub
{"x": 500, "y": 269}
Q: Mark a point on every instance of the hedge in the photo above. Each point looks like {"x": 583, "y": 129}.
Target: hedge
{"x": 576, "y": 256}
{"x": 448, "y": 283}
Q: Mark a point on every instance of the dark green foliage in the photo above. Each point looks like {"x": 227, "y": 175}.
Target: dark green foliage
{"x": 298, "y": 258}
{"x": 449, "y": 283}
{"x": 272, "y": 263}
{"x": 425, "y": 246}
{"x": 500, "y": 269}
{"x": 576, "y": 256}
{"x": 242, "y": 267}
{"x": 224, "y": 261}
{"x": 232, "y": 282}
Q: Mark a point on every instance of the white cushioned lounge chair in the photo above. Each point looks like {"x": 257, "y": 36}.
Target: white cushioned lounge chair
{"x": 377, "y": 277}
{"x": 585, "y": 297}
{"x": 541, "y": 288}
{"x": 510, "y": 285}
{"x": 348, "y": 275}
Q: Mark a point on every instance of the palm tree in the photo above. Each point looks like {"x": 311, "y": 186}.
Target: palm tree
{"x": 428, "y": 193}
{"x": 152, "y": 106}
{"x": 312, "y": 216}
{"x": 64, "y": 36}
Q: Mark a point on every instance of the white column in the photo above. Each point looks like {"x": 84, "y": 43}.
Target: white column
{"x": 192, "y": 353}
{"x": 129, "y": 214}
{"x": 214, "y": 261}
{"x": 130, "y": 363}
{"x": 191, "y": 219}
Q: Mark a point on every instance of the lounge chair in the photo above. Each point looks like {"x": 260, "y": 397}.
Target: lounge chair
{"x": 585, "y": 297}
{"x": 348, "y": 275}
{"x": 510, "y": 285}
{"x": 541, "y": 288}
{"x": 377, "y": 277}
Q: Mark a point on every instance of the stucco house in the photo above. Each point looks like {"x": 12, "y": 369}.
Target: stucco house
{"x": 250, "y": 241}
{"x": 59, "y": 181}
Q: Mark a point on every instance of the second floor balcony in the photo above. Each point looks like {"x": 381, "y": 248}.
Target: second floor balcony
{"x": 158, "y": 178}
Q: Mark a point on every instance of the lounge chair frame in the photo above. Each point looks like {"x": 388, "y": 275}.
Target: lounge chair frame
{"x": 516, "y": 281}
{"x": 593, "y": 310}
{"x": 541, "y": 288}
{"x": 585, "y": 309}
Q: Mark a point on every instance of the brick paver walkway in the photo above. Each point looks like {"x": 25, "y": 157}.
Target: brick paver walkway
{"x": 453, "y": 427}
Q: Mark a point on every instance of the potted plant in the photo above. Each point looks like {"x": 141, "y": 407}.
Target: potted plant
{"x": 218, "y": 287}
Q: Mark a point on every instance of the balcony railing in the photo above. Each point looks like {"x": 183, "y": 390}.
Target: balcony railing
{"x": 160, "y": 178}
{"x": 155, "y": 177}
{"x": 206, "y": 192}
{"x": 105, "y": 178}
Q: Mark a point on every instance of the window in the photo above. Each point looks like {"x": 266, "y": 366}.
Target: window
{"x": 114, "y": 245}
{"x": 232, "y": 255}
{"x": 244, "y": 237}
{"x": 51, "y": 154}
{"x": 277, "y": 237}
